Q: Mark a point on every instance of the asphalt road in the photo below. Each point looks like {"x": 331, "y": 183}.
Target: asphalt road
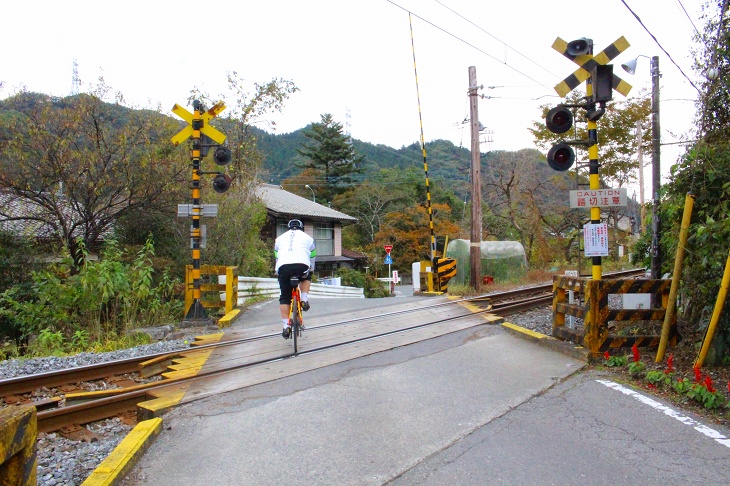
{"x": 479, "y": 406}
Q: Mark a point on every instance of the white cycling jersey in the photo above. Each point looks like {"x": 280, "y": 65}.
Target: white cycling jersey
{"x": 294, "y": 246}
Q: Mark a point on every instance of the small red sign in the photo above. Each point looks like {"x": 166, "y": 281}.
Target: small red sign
{"x": 388, "y": 248}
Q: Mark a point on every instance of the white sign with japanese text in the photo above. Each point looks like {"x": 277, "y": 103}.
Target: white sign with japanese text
{"x": 598, "y": 198}
{"x": 595, "y": 239}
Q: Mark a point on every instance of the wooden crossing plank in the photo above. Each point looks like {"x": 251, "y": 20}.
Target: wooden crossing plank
{"x": 287, "y": 367}
{"x": 249, "y": 352}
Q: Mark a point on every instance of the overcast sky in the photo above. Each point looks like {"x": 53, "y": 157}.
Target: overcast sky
{"x": 354, "y": 57}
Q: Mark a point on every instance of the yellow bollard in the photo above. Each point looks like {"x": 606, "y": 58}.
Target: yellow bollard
{"x": 719, "y": 303}
{"x": 678, "y": 261}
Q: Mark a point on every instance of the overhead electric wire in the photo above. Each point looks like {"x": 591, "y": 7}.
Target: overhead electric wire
{"x": 690, "y": 20}
{"x": 660, "y": 46}
{"x": 498, "y": 40}
{"x": 468, "y": 44}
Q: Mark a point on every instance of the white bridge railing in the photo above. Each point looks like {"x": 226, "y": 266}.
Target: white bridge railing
{"x": 269, "y": 287}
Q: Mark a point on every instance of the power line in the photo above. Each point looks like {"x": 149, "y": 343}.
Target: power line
{"x": 498, "y": 40}
{"x": 690, "y": 20}
{"x": 468, "y": 44}
{"x": 660, "y": 46}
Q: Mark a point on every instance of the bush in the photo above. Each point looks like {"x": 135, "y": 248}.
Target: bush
{"x": 68, "y": 308}
{"x": 372, "y": 288}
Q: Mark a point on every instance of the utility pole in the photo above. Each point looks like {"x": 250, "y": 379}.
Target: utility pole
{"x": 656, "y": 175}
{"x": 640, "y": 149}
{"x": 475, "y": 249}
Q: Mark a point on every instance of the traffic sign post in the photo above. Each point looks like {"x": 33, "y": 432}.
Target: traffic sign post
{"x": 198, "y": 125}
{"x": 389, "y": 262}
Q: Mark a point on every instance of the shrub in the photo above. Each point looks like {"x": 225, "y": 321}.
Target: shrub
{"x": 615, "y": 361}
{"x": 69, "y": 308}
{"x": 372, "y": 288}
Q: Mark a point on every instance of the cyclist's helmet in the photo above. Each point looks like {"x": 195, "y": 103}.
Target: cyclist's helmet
{"x": 295, "y": 224}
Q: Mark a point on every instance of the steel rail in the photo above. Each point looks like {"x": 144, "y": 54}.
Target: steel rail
{"x": 51, "y": 379}
{"x": 98, "y": 409}
{"x": 28, "y": 383}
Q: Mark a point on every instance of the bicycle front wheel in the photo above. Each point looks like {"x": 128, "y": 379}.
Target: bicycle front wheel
{"x": 296, "y": 323}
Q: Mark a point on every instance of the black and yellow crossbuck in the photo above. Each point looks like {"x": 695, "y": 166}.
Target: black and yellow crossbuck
{"x": 587, "y": 63}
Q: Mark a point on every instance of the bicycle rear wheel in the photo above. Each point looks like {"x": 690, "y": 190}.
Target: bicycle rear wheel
{"x": 296, "y": 324}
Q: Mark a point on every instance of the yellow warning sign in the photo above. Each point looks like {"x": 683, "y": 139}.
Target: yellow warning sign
{"x": 206, "y": 129}
{"x": 588, "y": 62}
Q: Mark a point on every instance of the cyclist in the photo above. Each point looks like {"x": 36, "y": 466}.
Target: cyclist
{"x": 295, "y": 254}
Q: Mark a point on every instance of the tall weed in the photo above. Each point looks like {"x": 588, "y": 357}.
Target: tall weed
{"x": 70, "y": 309}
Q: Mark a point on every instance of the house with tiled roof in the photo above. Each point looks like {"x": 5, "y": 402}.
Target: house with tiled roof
{"x": 322, "y": 223}
{"x": 23, "y": 218}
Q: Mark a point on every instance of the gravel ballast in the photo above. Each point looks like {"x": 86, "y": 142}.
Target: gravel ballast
{"x": 67, "y": 462}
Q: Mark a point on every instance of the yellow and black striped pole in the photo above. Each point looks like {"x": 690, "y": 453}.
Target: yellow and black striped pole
{"x": 432, "y": 279}
{"x": 594, "y": 180}
{"x": 196, "y": 310}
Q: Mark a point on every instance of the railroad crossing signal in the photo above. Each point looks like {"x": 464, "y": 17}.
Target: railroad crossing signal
{"x": 202, "y": 134}
{"x": 588, "y": 63}
{"x": 206, "y": 129}
{"x": 596, "y": 70}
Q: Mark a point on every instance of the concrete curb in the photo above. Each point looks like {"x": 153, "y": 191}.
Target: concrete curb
{"x": 126, "y": 454}
{"x": 577, "y": 352}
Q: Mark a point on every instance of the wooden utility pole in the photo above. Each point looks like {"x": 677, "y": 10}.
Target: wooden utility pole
{"x": 475, "y": 254}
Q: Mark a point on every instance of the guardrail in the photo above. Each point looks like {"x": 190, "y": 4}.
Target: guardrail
{"x": 228, "y": 300}
{"x": 269, "y": 287}
{"x": 596, "y": 335}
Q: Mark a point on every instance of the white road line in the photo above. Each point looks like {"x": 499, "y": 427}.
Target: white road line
{"x": 699, "y": 427}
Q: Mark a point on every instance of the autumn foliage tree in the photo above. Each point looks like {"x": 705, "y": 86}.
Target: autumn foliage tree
{"x": 73, "y": 166}
{"x": 409, "y": 232}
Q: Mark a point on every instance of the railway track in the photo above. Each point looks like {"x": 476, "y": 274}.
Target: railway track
{"x": 142, "y": 375}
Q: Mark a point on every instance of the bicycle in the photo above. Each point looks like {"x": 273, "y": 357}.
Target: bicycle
{"x": 296, "y": 321}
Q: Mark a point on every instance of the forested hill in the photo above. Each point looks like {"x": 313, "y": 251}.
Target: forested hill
{"x": 445, "y": 160}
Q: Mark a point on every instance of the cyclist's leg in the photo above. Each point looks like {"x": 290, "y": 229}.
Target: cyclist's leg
{"x": 285, "y": 274}
{"x": 304, "y": 285}
{"x": 296, "y": 320}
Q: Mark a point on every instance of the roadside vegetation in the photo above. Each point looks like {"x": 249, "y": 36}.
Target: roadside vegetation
{"x": 706, "y": 392}
{"x": 96, "y": 307}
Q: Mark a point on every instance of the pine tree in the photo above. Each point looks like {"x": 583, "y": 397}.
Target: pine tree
{"x": 331, "y": 156}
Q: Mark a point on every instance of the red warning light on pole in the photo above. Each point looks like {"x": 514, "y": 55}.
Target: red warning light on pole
{"x": 388, "y": 248}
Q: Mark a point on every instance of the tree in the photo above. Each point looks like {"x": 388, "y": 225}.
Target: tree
{"x": 372, "y": 200}
{"x": 616, "y": 136}
{"x": 704, "y": 171}
{"x": 234, "y": 236}
{"x": 331, "y": 156}
{"x": 520, "y": 199}
{"x": 75, "y": 165}
{"x": 408, "y": 231}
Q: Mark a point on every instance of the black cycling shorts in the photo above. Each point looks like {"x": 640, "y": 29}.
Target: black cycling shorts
{"x": 286, "y": 272}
